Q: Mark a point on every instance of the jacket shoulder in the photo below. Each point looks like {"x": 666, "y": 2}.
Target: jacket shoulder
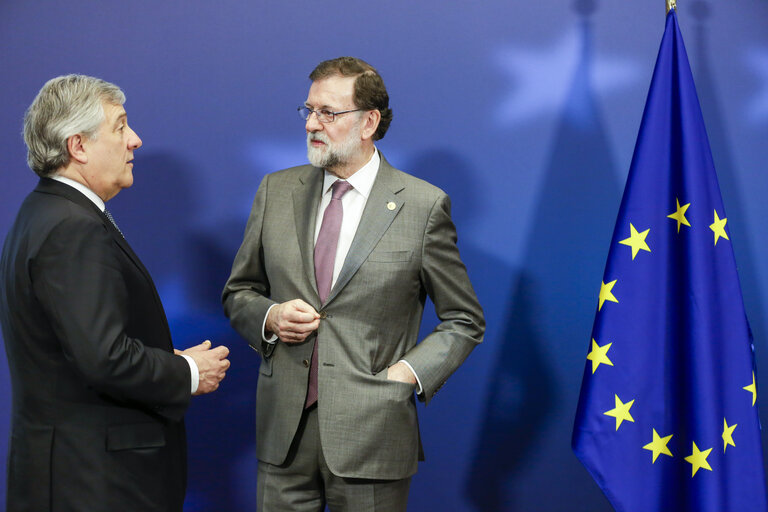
{"x": 52, "y": 212}
{"x": 416, "y": 187}
{"x": 291, "y": 174}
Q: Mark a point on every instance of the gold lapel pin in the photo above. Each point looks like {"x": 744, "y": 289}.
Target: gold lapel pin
{"x": 391, "y": 206}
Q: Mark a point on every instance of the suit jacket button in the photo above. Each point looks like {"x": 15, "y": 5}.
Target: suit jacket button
{"x": 305, "y": 363}
{"x": 323, "y": 314}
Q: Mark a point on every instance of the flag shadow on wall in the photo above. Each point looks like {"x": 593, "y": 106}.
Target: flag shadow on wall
{"x": 190, "y": 264}
{"x": 523, "y": 448}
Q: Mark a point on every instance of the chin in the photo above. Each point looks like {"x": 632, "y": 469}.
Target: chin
{"x": 128, "y": 181}
{"x": 316, "y": 157}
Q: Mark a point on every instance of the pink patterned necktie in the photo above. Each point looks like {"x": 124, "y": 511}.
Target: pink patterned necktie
{"x": 325, "y": 258}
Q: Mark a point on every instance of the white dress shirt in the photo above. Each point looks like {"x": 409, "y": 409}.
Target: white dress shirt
{"x": 95, "y": 199}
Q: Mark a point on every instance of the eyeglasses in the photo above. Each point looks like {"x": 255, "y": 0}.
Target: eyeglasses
{"x": 323, "y": 114}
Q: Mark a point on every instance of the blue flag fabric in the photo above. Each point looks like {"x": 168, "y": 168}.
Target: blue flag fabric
{"x": 667, "y": 418}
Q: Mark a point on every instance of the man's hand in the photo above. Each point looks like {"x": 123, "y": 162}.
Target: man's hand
{"x": 212, "y": 364}
{"x": 292, "y": 321}
{"x": 400, "y": 372}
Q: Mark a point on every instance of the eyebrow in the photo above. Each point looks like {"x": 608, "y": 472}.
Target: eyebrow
{"x": 120, "y": 118}
{"x": 323, "y": 107}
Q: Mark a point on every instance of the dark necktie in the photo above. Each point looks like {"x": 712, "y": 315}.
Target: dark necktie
{"x": 325, "y": 258}
{"x": 112, "y": 220}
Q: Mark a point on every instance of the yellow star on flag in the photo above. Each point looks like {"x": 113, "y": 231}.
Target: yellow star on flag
{"x": 606, "y": 294}
{"x": 658, "y": 445}
{"x": 698, "y": 460}
{"x": 752, "y": 388}
{"x": 719, "y": 228}
{"x": 599, "y": 355}
{"x": 636, "y": 240}
{"x": 728, "y": 434}
{"x": 621, "y": 411}
{"x": 679, "y": 215}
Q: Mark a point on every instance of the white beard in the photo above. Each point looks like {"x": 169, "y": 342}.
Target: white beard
{"x": 333, "y": 156}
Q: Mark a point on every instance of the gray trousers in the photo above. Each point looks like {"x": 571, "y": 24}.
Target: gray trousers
{"x": 305, "y": 484}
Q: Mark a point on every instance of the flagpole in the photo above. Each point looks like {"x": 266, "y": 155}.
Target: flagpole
{"x": 671, "y": 4}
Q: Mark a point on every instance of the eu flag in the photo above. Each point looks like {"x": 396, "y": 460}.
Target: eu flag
{"x": 667, "y": 418}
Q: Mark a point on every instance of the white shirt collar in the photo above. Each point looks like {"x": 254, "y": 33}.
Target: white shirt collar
{"x": 90, "y": 194}
{"x": 362, "y": 180}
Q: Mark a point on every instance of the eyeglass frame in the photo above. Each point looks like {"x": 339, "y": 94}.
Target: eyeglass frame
{"x": 325, "y": 112}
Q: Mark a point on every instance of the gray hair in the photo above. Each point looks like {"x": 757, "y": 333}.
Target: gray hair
{"x": 65, "y": 106}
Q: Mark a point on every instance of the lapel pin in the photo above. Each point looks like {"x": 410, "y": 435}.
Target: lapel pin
{"x": 391, "y": 206}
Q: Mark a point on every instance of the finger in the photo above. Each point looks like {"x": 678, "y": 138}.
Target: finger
{"x": 221, "y": 351}
{"x": 302, "y": 336}
{"x": 297, "y": 334}
{"x": 303, "y": 331}
{"x": 200, "y": 347}
{"x": 300, "y": 317}
{"x": 303, "y": 307}
{"x": 306, "y": 326}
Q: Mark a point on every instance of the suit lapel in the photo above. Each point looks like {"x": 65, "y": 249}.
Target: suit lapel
{"x": 380, "y": 210}
{"x": 306, "y": 198}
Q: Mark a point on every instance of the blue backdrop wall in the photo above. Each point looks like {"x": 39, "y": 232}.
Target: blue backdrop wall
{"x": 524, "y": 112}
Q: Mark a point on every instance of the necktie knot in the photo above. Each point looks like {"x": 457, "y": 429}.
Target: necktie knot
{"x": 340, "y": 188}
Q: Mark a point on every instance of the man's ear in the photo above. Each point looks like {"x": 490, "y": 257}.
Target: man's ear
{"x": 76, "y": 149}
{"x": 371, "y": 124}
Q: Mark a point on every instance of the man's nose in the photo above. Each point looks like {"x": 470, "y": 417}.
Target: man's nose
{"x": 134, "y": 142}
{"x": 313, "y": 125}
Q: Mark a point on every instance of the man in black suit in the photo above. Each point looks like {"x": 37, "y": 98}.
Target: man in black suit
{"x": 99, "y": 393}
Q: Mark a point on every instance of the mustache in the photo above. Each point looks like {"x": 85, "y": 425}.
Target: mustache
{"x": 321, "y": 137}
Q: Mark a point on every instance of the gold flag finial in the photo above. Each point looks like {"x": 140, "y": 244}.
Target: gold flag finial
{"x": 671, "y": 4}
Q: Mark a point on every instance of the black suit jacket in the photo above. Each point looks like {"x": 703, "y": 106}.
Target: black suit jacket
{"x": 98, "y": 396}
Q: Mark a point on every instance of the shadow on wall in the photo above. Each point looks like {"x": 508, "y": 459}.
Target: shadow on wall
{"x": 524, "y": 445}
{"x": 190, "y": 266}
{"x": 455, "y": 413}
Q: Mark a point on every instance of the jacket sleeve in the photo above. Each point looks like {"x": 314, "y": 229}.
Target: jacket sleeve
{"x": 77, "y": 277}
{"x": 445, "y": 279}
{"x": 246, "y": 294}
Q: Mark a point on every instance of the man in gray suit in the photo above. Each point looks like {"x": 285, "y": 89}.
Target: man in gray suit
{"x": 329, "y": 287}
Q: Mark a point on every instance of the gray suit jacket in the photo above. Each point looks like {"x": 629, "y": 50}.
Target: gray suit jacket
{"x": 368, "y": 424}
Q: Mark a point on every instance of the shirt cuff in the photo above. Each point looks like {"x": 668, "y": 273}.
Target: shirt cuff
{"x": 418, "y": 381}
{"x": 273, "y": 338}
{"x": 194, "y": 372}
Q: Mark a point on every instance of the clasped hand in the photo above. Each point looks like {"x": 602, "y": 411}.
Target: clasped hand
{"x": 212, "y": 365}
{"x": 292, "y": 321}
